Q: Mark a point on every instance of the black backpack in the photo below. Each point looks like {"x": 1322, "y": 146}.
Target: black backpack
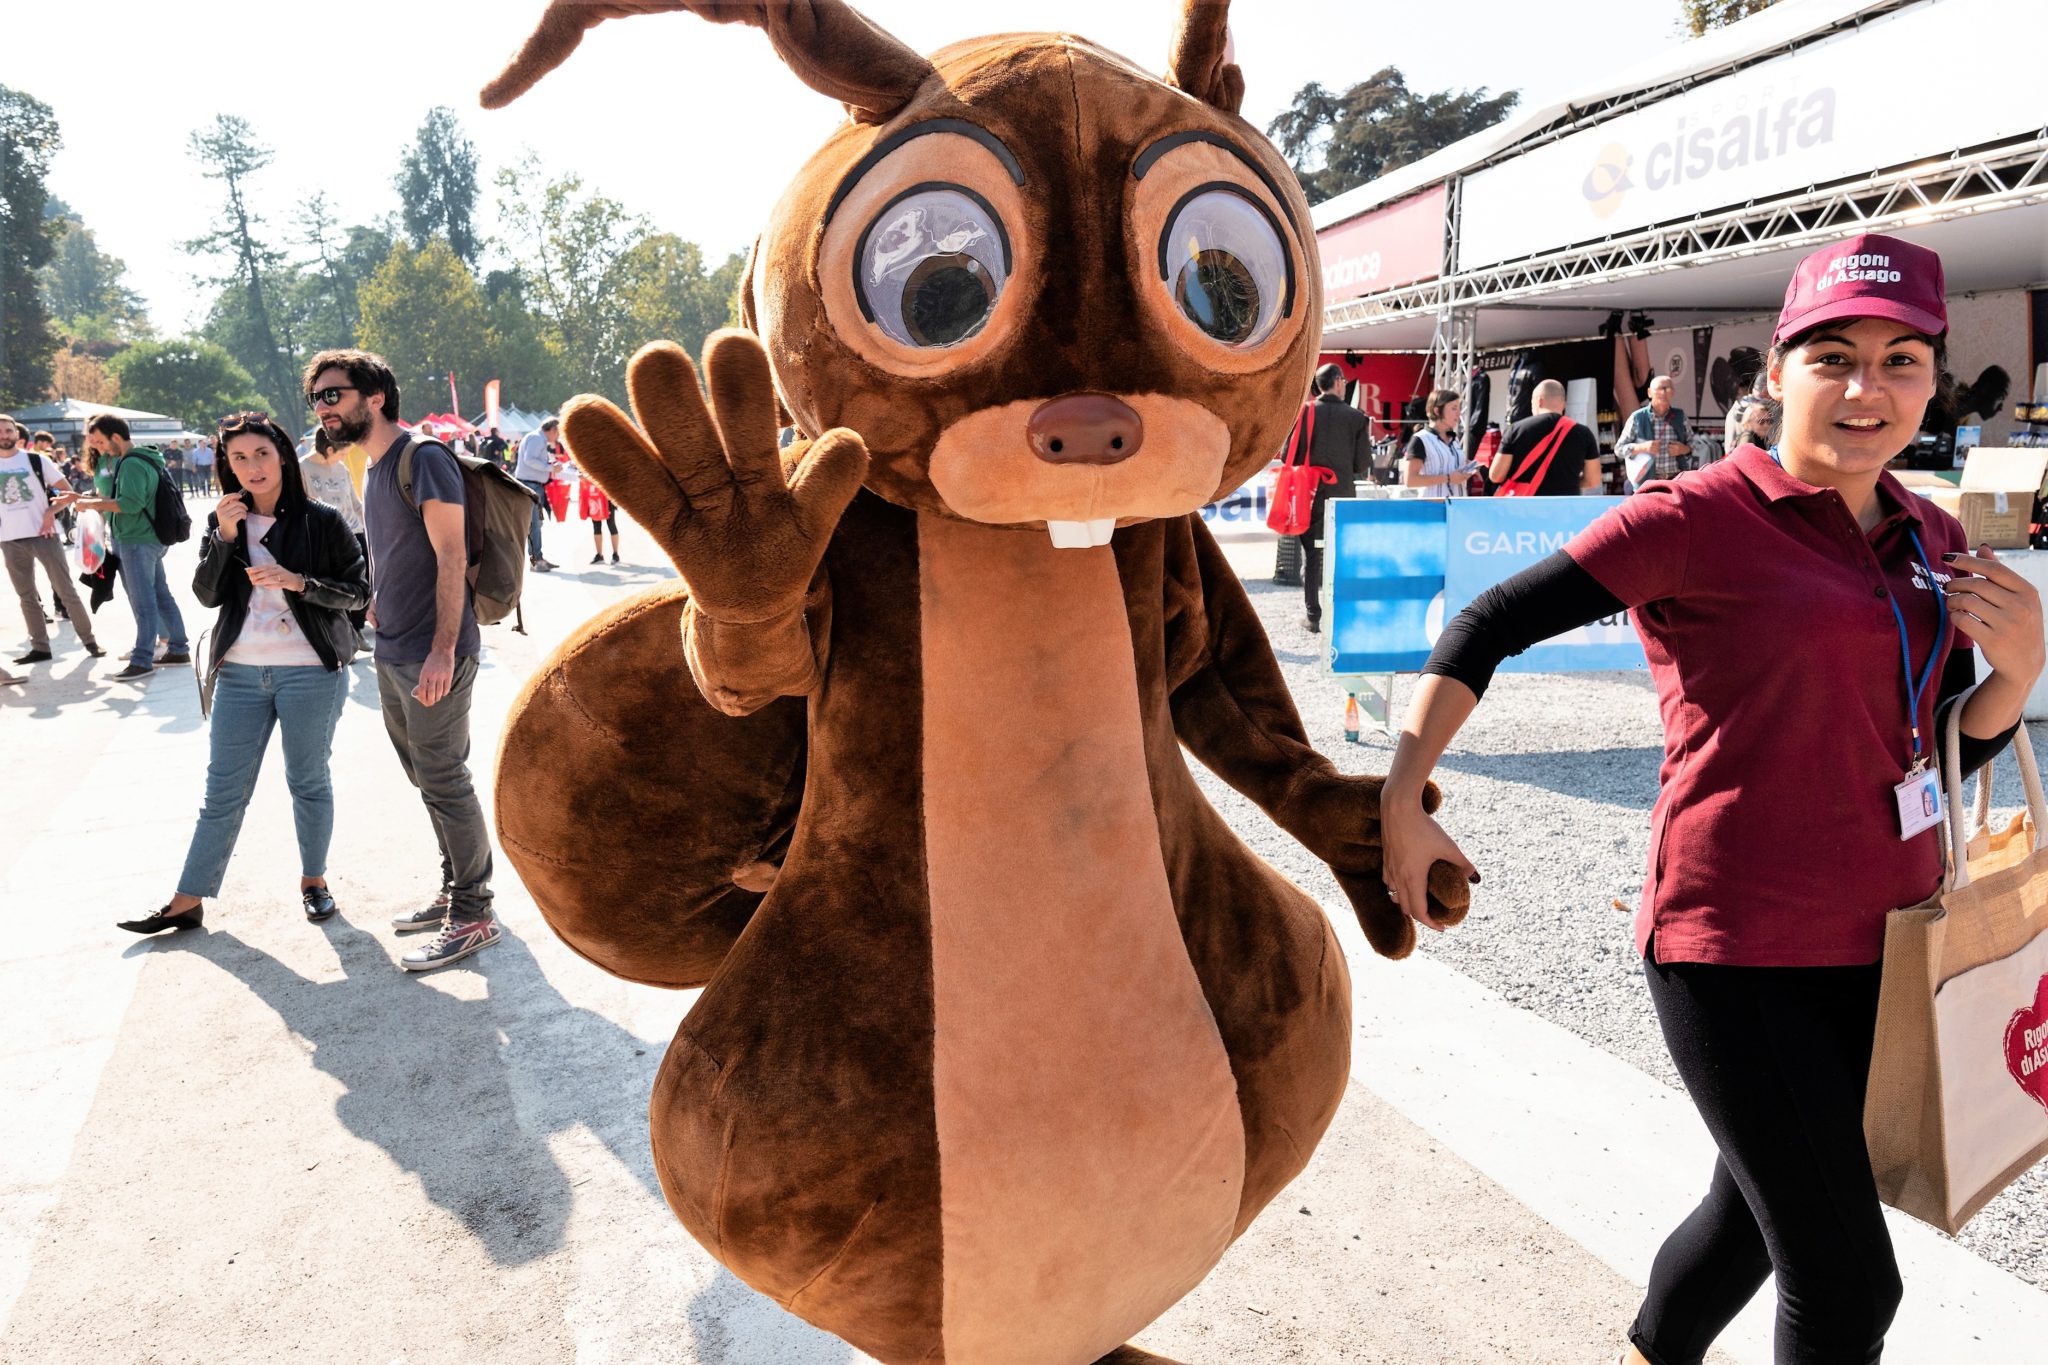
{"x": 168, "y": 520}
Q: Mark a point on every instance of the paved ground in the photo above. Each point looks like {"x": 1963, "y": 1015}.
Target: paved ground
{"x": 265, "y": 1142}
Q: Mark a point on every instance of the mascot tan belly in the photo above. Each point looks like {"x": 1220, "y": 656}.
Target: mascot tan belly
{"x": 1004, "y": 1035}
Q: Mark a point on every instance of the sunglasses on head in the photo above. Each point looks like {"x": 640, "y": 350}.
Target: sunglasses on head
{"x": 247, "y": 421}
{"x": 329, "y": 396}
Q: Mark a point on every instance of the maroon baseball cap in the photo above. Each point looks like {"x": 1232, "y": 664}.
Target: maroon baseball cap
{"x": 1867, "y": 276}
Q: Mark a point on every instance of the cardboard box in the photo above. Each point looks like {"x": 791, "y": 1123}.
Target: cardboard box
{"x": 1996, "y": 495}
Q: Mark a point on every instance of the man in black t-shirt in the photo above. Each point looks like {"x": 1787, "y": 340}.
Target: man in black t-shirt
{"x": 1575, "y": 466}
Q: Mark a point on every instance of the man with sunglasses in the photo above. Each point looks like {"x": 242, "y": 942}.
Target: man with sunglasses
{"x": 427, "y": 640}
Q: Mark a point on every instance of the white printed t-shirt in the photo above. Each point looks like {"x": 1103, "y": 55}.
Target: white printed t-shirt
{"x": 270, "y": 636}
{"x": 22, "y": 503}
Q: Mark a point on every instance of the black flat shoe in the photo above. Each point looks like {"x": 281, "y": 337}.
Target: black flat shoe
{"x": 319, "y": 903}
{"x": 34, "y": 656}
{"x": 163, "y": 919}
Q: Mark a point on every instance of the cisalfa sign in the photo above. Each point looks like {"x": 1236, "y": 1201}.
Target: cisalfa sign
{"x": 1383, "y": 249}
{"x": 1829, "y": 111}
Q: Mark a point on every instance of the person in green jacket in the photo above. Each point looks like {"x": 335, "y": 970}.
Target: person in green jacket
{"x": 126, "y": 490}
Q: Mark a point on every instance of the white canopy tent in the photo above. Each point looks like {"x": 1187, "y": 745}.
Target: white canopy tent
{"x": 1690, "y": 187}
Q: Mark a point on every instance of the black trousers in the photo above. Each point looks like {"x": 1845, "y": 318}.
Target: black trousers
{"x": 1312, "y": 576}
{"x": 1777, "y": 1060}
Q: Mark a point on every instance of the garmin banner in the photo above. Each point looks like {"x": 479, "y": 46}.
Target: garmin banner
{"x": 1397, "y": 569}
{"x": 1493, "y": 539}
{"x": 1828, "y": 111}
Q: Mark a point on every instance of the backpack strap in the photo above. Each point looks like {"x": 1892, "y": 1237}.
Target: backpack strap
{"x": 35, "y": 467}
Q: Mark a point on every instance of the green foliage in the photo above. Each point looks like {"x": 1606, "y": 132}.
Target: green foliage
{"x": 424, "y": 313}
{"x": 28, "y": 140}
{"x": 1703, "y": 16}
{"x": 525, "y": 355}
{"x": 437, "y": 186}
{"x": 247, "y": 326}
{"x": 84, "y": 289}
{"x": 570, "y": 248}
{"x": 1376, "y": 126}
{"x": 669, "y": 296}
{"x": 602, "y": 281}
{"x": 193, "y": 380}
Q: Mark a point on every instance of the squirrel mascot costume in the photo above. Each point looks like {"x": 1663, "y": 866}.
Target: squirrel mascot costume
{"x": 1004, "y": 1035}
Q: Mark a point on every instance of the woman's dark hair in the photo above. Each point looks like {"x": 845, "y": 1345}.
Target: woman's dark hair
{"x": 365, "y": 369}
{"x": 1940, "y": 408}
{"x": 292, "y": 491}
{"x": 1439, "y": 399}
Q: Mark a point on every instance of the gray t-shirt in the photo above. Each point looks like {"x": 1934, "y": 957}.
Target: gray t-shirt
{"x": 402, "y": 562}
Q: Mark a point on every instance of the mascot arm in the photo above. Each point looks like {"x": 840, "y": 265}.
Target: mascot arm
{"x": 741, "y": 666}
{"x": 746, "y": 525}
{"x": 1233, "y": 711}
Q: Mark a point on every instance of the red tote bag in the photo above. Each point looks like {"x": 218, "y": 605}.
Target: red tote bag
{"x": 1294, "y": 484}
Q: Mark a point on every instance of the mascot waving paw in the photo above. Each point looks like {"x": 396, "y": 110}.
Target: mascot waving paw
{"x": 1004, "y": 1036}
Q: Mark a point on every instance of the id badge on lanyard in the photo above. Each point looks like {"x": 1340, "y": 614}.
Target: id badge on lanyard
{"x": 1918, "y": 794}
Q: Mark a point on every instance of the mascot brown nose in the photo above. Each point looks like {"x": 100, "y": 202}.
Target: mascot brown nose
{"x": 1085, "y": 428}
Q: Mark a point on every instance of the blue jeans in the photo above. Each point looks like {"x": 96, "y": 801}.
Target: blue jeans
{"x": 540, "y": 493}
{"x": 248, "y": 700}
{"x": 149, "y": 597}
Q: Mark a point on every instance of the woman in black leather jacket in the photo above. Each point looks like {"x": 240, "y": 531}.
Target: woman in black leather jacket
{"x": 284, "y": 572}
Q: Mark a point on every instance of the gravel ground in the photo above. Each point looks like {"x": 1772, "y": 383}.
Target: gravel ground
{"x": 1549, "y": 789}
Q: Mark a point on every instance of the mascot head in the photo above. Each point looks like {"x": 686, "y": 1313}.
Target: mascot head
{"x": 1049, "y": 289}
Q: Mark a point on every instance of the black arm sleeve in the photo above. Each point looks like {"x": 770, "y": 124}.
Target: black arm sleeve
{"x": 1541, "y": 601}
{"x": 1957, "y": 676}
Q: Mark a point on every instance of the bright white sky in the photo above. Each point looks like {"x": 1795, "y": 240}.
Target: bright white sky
{"x": 696, "y": 125}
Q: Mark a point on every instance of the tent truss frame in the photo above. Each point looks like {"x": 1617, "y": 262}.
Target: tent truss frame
{"x": 1964, "y": 183}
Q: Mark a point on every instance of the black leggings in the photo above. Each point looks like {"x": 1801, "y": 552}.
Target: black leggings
{"x": 1776, "y": 1059}
{"x": 608, "y": 522}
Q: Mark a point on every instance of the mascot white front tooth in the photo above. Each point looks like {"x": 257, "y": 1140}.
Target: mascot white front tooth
{"x": 1099, "y": 530}
{"x": 1072, "y": 535}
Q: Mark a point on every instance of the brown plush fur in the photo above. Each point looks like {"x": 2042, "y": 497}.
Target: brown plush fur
{"x": 1020, "y": 1034}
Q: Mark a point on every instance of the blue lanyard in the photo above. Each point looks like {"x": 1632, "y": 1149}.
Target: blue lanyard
{"x": 1915, "y": 688}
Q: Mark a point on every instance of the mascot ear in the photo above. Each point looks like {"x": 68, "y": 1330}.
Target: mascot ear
{"x": 1199, "y": 61}
{"x": 833, "y": 48}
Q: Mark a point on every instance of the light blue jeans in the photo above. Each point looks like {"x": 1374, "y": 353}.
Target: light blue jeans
{"x": 248, "y": 702}
{"x": 149, "y": 597}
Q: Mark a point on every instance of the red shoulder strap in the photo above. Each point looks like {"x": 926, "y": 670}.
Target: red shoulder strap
{"x": 1547, "y": 452}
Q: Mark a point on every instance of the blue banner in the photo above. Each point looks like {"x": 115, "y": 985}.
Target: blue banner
{"x": 1397, "y": 569}
{"x": 1493, "y": 539}
{"x": 1384, "y": 579}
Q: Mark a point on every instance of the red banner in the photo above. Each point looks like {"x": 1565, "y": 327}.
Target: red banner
{"x": 1395, "y": 245}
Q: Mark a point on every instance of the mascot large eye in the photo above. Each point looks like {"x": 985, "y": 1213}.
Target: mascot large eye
{"x": 1225, "y": 265}
{"x": 931, "y": 266}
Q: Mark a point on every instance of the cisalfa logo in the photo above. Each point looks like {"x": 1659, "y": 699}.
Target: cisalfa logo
{"x": 1701, "y": 151}
{"x": 1608, "y": 180}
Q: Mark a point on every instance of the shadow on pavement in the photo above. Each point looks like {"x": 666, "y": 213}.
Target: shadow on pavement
{"x": 731, "y": 1324}
{"x": 429, "y": 1077}
{"x": 1618, "y": 777}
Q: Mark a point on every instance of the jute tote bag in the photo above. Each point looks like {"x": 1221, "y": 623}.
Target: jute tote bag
{"x": 1958, "y": 1102}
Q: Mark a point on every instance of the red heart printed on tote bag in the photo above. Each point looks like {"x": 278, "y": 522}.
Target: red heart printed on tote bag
{"x": 2026, "y": 1045}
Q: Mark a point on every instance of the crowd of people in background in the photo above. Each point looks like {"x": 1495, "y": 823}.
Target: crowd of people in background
{"x": 311, "y": 558}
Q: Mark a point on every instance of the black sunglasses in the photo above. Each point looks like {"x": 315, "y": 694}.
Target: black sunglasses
{"x": 328, "y": 397}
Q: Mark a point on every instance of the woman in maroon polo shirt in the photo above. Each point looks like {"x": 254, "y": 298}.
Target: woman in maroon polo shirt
{"x": 1806, "y": 620}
